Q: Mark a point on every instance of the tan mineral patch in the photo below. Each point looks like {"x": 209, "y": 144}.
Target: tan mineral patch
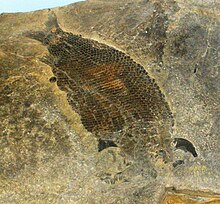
{"x": 190, "y": 197}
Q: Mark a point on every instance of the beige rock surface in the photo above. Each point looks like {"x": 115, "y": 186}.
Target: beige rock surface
{"x": 47, "y": 155}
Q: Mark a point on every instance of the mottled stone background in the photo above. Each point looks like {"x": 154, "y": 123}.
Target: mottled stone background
{"x": 47, "y": 155}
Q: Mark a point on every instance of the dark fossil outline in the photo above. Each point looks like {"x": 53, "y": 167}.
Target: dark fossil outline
{"x": 113, "y": 94}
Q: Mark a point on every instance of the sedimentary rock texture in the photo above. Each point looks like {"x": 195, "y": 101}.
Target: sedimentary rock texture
{"x": 111, "y": 102}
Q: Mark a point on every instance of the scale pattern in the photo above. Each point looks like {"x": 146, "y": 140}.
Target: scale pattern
{"x": 114, "y": 95}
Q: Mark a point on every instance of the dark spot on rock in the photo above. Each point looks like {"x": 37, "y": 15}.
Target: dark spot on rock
{"x": 126, "y": 181}
{"x": 195, "y": 69}
{"x": 177, "y": 163}
{"x": 189, "y": 40}
{"x": 185, "y": 145}
{"x": 162, "y": 153}
{"x": 53, "y": 79}
{"x": 27, "y": 104}
{"x": 103, "y": 144}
